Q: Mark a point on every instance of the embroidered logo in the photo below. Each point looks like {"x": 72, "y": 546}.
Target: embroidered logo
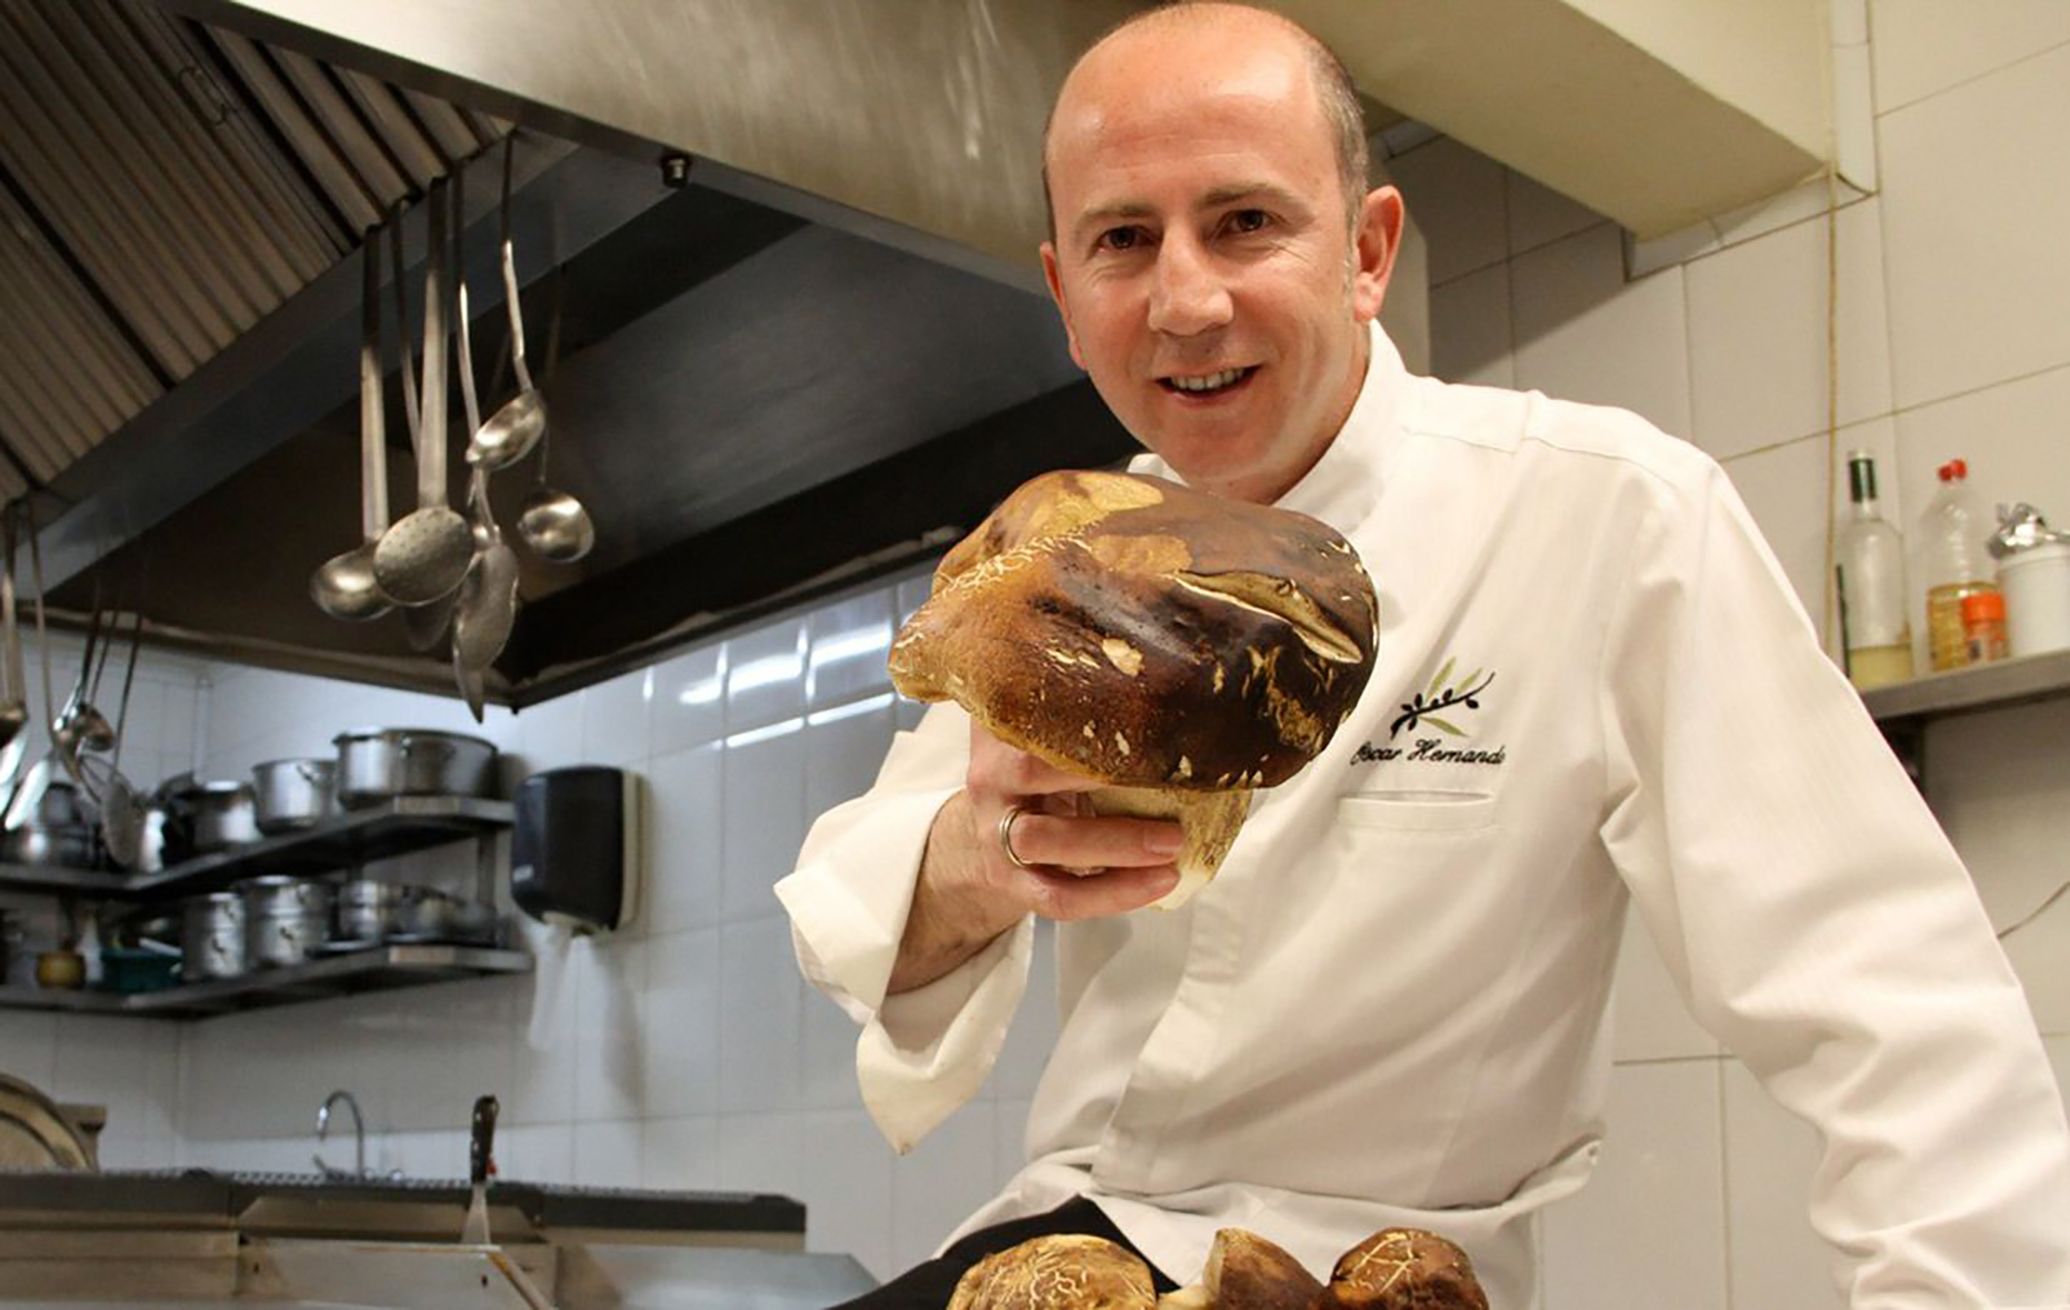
{"x": 1441, "y": 708}
{"x": 1424, "y": 706}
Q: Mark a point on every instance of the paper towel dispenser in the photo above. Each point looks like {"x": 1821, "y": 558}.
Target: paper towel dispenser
{"x": 575, "y": 848}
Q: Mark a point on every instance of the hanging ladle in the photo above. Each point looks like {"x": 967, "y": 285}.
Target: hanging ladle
{"x": 552, "y": 522}
{"x": 344, "y": 586}
{"x": 14, "y": 695}
{"x": 513, "y": 430}
{"x": 425, "y": 554}
{"x": 487, "y": 608}
{"x": 423, "y": 625}
{"x": 79, "y": 727}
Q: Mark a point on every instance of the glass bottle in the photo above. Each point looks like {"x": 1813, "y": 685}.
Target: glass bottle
{"x": 1870, "y": 568}
{"x": 1953, "y": 564}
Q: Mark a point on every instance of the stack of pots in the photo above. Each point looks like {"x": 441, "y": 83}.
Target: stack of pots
{"x": 212, "y": 937}
{"x": 294, "y": 794}
{"x": 286, "y": 919}
{"x": 379, "y": 764}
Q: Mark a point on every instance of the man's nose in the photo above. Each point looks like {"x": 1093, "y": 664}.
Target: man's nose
{"x": 1187, "y": 296}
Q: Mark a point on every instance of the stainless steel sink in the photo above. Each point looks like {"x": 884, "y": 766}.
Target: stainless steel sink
{"x": 194, "y": 1238}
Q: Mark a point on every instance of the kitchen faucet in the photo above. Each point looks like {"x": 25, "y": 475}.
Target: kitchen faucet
{"x": 359, "y": 1135}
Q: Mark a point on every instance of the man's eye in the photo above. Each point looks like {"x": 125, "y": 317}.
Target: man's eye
{"x": 1249, "y": 220}
{"x": 1120, "y": 238}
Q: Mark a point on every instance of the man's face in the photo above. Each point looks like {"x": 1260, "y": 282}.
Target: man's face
{"x": 1208, "y": 278}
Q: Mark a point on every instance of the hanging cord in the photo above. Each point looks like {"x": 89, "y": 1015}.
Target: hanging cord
{"x": 2036, "y": 912}
{"x": 1828, "y": 614}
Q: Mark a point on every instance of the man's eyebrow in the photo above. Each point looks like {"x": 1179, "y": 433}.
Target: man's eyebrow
{"x": 1107, "y": 213}
{"x": 1213, "y": 199}
{"x": 1224, "y": 195}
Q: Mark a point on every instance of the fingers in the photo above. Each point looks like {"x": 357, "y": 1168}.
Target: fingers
{"x": 1072, "y": 864}
{"x": 1071, "y": 842}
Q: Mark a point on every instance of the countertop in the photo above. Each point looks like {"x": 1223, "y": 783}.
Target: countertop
{"x": 199, "y": 1196}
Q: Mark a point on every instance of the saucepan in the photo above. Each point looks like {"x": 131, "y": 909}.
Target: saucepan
{"x": 294, "y": 794}
{"x": 377, "y": 764}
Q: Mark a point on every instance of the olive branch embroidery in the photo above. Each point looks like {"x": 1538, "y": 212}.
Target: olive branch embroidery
{"x": 1423, "y": 706}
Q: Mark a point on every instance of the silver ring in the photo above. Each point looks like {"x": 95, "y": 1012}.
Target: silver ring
{"x": 1006, "y": 837}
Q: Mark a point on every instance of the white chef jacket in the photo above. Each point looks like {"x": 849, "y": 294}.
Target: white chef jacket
{"x": 1592, "y": 682}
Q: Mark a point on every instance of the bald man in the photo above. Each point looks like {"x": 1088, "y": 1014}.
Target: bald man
{"x": 1388, "y": 1008}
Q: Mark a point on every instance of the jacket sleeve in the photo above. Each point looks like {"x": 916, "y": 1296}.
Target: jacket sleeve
{"x": 1822, "y": 927}
{"x": 924, "y": 1052}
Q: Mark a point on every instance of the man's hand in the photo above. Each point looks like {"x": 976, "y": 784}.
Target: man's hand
{"x": 1081, "y": 866}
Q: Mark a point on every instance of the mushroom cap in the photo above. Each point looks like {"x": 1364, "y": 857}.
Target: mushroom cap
{"x": 1144, "y": 634}
{"x": 1061, "y": 1271}
{"x": 1249, "y": 1272}
{"x": 1403, "y": 1269}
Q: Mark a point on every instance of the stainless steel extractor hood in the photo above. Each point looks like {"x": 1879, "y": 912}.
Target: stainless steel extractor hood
{"x": 788, "y": 245}
{"x": 760, "y": 393}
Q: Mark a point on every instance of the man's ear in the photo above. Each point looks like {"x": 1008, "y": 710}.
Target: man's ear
{"x": 1054, "y": 278}
{"x": 1378, "y": 237}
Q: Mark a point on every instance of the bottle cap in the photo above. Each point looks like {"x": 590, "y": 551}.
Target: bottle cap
{"x": 1861, "y": 477}
{"x": 1983, "y": 607}
{"x": 1955, "y": 470}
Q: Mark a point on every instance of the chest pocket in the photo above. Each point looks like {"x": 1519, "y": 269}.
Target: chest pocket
{"x": 1417, "y": 811}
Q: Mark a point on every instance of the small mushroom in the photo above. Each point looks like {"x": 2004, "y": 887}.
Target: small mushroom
{"x": 1403, "y": 1269}
{"x": 1247, "y": 1272}
{"x": 1063, "y": 1271}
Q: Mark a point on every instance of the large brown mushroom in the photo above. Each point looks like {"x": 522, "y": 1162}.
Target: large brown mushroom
{"x": 1181, "y": 648}
{"x": 1403, "y": 1269}
{"x": 1063, "y": 1271}
{"x": 1247, "y": 1272}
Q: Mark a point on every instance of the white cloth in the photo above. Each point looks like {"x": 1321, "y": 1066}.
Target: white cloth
{"x": 1389, "y": 1006}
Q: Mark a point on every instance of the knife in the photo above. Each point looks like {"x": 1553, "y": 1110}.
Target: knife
{"x": 482, "y": 1141}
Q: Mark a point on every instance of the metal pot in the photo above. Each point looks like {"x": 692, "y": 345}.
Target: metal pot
{"x": 369, "y": 910}
{"x": 40, "y": 844}
{"x": 285, "y": 919}
{"x": 430, "y": 915}
{"x": 294, "y": 794}
{"x": 45, "y": 797}
{"x": 216, "y": 815}
{"x": 376, "y": 764}
{"x": 17, "y": 961}
{"x": 212, "y": 937}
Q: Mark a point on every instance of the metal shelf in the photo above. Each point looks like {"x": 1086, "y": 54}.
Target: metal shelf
{"x": 1979, "y": 687}
{"x": 375, "y": 969}
{"x": 396, "y": 827}
{"x": 1904, "y": 709}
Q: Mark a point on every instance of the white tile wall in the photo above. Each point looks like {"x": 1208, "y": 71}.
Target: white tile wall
{"x": 684, "y": 822}
{"x": 1922, "y": 47}
{"x": 1459, "y": 199}
{"x": 1583, "y": 333}
{"x": 689, "y": 1054}
{"x": 1470, "y": 329}
{"x": 1777, "y": 1261}
{"x": 1975, "y": 204}
{"x": 1757, "y": 334}
{"x": 1538, "y": 215}
{"x": 1650, "y": 1226}
{"x": 680, "y": 1154}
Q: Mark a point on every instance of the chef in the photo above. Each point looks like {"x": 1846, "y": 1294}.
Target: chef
{"x": 1389, "y": 1006}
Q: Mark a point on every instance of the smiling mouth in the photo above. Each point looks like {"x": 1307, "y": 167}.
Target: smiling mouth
{"x": 1208, "y": 384}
